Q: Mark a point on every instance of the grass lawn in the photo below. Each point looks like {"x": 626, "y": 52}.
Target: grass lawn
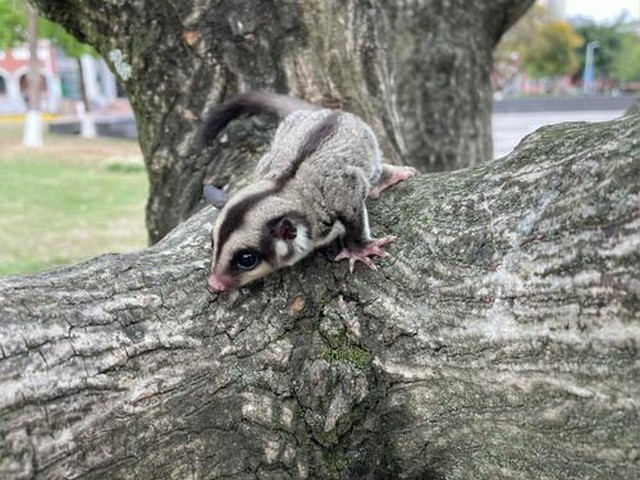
{"x": 69, "y": 200}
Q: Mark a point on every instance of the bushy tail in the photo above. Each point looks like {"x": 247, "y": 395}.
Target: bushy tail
{"x": 249, "y": 103}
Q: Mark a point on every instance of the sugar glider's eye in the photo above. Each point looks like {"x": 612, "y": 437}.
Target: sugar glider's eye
{"x": 246, "y": 259}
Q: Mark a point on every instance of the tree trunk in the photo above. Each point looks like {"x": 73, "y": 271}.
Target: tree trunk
{"x": 33, "y": 79}
{"x": 500, "y": 341}
{"x": 178, "y": 60}
{"x": 443, "y": 58}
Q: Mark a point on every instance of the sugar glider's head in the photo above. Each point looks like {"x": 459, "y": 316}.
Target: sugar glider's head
{"x": 256, "y": 232}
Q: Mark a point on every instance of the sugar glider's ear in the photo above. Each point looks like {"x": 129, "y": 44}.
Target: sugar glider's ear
{"x": 215, "y": 196}
{"x": 284, "y": 228}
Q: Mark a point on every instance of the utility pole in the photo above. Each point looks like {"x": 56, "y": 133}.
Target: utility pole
{"x": 33, "y": 122}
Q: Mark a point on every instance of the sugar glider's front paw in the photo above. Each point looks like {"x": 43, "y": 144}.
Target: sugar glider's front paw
{"x": 362, "y": 254}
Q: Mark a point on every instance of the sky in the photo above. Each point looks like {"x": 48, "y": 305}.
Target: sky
{"x": 602, "y": 9}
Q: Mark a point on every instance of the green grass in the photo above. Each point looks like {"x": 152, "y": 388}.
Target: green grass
{"x": 69, "y": 200}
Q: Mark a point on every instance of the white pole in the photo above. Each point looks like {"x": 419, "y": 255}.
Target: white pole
{"x": 33, "y": 123}
{"x": 85, "y": 115}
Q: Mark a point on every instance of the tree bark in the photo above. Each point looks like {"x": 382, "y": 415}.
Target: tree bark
{"x": 415, "y": 69}
{"x": 443, "y": 53}
{"x": 500, "y": 341}
{"x": 33, "y": 79}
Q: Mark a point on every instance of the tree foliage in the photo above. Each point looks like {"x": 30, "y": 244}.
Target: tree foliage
{"x": 552, "y": 51}
{"x": 617, "y": 45}
{"x": 546, "y": 47}
{"x": 13, "y": 21}
{"x": 516, "y": 40}
{"x": 626, "y": 64}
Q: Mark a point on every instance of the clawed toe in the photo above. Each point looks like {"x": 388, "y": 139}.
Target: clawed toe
{"x": 363, "y": 254}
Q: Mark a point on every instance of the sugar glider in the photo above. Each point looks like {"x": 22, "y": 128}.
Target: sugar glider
{"x": 310, "y": 189}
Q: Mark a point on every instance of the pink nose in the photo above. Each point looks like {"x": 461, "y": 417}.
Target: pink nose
{"x": 218, "y": 283}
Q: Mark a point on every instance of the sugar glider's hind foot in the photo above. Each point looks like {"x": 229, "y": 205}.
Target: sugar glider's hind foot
{"x": 391, "y": 174}
{"x": 362, "y": 254}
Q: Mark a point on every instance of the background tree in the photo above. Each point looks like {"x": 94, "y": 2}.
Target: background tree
{"x": 551, "y": 52}
{"x": 610, "y": 40}
{"x": 418, "y": 72}
{"x": 508, "y": 54}
{"x": 518, "y": 38}
{"x": 13, "y": 22}
{"x": 626, "y": 63}
{"x": 13, "y": 29}
{"x": 541, "y": 46}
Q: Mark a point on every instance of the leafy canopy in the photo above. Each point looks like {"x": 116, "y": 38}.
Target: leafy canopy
{"x": 553, "y": 50}
{"x": 618, "y": 44}
{"x": 544, "y": 46}
{"x": 626, "y": 64}
{"x": 13, "y": 29}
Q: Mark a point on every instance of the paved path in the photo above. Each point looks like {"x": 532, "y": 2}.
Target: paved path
{"x": 510, "y": 128}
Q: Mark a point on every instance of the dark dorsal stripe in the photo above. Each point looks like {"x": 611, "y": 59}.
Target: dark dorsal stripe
{"x": 312, "y": 142}
{"x": 236, "y": 214}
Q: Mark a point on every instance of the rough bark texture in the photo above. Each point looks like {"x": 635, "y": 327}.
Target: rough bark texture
{"x": 501, "y": 341}
{"x": 178, "y": 60}
{"x": 443, "y": 58}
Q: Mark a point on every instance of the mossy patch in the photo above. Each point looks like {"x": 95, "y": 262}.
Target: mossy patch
{"x": 352, "y": 354}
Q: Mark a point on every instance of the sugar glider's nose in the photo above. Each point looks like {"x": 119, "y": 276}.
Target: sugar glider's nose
{"x": 219, "y": 283}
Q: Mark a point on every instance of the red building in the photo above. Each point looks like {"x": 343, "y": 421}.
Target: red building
{"x": 14, "y": 70}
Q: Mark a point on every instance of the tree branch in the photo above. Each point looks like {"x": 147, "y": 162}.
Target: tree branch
{"x": 500, "y": 340}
